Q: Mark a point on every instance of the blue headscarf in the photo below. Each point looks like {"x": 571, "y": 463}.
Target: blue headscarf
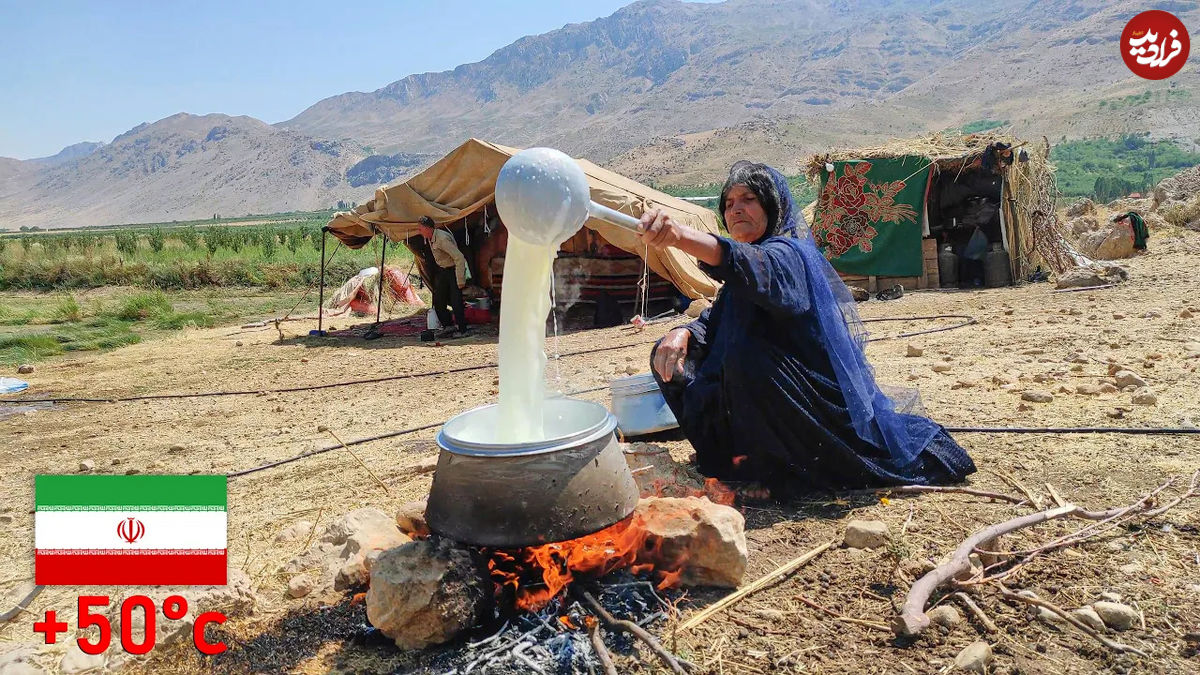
{"x": 872, "y": 413}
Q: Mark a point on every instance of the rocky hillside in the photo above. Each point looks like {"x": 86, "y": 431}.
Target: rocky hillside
{"x": 662, "y": 90}
{"x": 181, "y": 167}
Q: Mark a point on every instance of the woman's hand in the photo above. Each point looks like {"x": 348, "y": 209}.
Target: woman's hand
{"x": 671, "y": 352}
{"x": 659, "y": 230}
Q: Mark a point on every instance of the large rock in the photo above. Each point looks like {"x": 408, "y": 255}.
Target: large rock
{"x": 1116, "y": 615}
{"x": 1083, "y": 207}
{"x": 975, "y": 658}
{"x": 1110, "y": 241}
{"x": 425, "y": 593}
{"x": 1088, "y": 617}
{"x": 708, "y": 539}
{"x": 359, "y": 533}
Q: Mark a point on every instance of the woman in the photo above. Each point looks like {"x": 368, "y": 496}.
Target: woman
{"x": 770, "y": 385}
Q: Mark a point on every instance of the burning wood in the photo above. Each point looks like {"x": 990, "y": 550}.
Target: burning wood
{"x": 691, "y": 541}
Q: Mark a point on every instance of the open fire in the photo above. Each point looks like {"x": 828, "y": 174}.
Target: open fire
{"x": 529, "y": 578}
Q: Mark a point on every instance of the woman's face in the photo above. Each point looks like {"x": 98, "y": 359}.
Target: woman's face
{"x": 744, "y": 215}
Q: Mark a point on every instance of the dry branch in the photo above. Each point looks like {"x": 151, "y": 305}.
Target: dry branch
{"x": 1017, "y": 484}
{"x": 737, "y": 595}
{"x": 842, "y": 617}
{"x": 912, "y": 619}
{"x": 920, "y": 489}
{"x": 1115, "y": 646}
{"x": 988, "y": 624}
{"x": 601, "y": 651}
{"x": 637, "y": 631}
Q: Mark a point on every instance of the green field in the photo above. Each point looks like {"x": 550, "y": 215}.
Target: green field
{"x": 34, "y": 326}
{"x": 283, "y": 254}
{"x": 1105, "y": 169}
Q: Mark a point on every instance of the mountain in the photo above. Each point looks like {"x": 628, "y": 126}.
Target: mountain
{"x": 181, "y": 167}
{"x": 72, "y": 152}
{"x": 661, "y": 90}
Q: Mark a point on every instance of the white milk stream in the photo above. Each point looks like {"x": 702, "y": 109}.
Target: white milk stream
{"x": 524, "y": 303}
{"x": 542, "y": 195}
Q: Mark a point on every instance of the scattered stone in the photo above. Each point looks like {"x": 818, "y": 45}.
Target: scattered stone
{"x": 1186, "y": 314}
{"x": 1008, "y": 312}
{"x": 914, "y": 351}
{"x": 941, "y": 367}
{"x": 772, "y": 615}
{"x": 5, "y": 519}
{"x": 304, "y": 360}
{"x": 1080, "y": 278}
{"x": 410, "y": 518}
{"x": 425, "y": 594}
{"x": 1145, "y": 396}
{"x": 300, "y": 586}
{"x": 1037, "y": 396}
{"x": 964, "y": 384}
{"x": 1118, "y": 316}
{"x": 238, "y": 343}
{"x": 1088, "y": 389}
{"x": 632, "y": 370}
{"x": 176, "y": 449}
{"x": 1004, "y": 378}
{"x": 975, "y": 658}
{"x": 295, "y": 531}
{"x": 867, "y": 534}
{"x": 1046, "y": 616}
{"x": 944, "y": 615}
{"x": 86, "y": 466}
{"x": 75, "y": 661}
{"x": 1131, "y": 569}
{"x": 710, "y": 537}
{"x": 1115, "y": 615}
{"x": 1108, "y": 388}
{"x": 1088, "y": 617}
{"x": 1064, "y": 389}
{"x": 859, "y": 294}
{"x": 1125, "y": 378}
{"x": 25, "y": 369}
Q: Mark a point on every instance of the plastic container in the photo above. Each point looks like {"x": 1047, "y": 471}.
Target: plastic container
{"x": 947, "y": 267}
{"x": 639, "y": 406}
{"x": 996, "y": 272}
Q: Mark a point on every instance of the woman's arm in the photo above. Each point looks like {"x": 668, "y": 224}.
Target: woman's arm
{"x": 772, "y": 275}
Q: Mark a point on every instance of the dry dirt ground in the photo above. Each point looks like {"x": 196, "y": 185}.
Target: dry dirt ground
{"x": 1026, "y": 333}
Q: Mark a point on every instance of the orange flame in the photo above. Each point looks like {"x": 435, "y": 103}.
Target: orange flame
{"x": 537, "y": 574}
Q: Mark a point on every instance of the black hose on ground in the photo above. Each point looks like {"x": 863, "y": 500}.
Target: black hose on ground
{"x": 1142, "y": 431}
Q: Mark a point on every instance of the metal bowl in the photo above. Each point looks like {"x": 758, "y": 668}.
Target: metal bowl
{"x": 572, "y": 483}
{"x": 639, "y": 406}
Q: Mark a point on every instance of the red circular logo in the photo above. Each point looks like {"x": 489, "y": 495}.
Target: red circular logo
{"x": 1155, "y": 44}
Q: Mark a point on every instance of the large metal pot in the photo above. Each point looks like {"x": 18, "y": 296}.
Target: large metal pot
{"x": 573, "y": 483}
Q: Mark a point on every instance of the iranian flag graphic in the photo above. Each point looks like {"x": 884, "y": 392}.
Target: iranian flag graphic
{"x": 130, "y": 530}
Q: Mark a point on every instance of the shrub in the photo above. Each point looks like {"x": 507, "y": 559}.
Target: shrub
{"x": 269, "y": 244}
{"x": 127, "y": 243}
{"x": 1180, "y": 215}
{"x": 156, "y": 239}
{"x": 66, "y": 310}
{"x": 141, "y": 306}
{"x": 177, "y": 320}
{"x": 190, "y": 237}
{"x": 26, "y": 243}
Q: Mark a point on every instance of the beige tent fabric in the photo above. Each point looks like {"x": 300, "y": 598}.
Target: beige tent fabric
{"x": 464, "y": 181}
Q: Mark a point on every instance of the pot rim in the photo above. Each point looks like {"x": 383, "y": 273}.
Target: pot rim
{"x": 458, "y": 446}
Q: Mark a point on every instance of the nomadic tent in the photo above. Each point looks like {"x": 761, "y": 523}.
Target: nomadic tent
{"x": 883, "y": 214}
{"x": 458, "y": 192}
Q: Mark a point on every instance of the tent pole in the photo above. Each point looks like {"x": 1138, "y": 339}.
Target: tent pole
{"x": 382, "y": 258}
{"x": 321, "y": 293}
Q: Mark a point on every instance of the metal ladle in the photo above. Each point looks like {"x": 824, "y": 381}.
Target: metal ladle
{"x": 543, "y": 198}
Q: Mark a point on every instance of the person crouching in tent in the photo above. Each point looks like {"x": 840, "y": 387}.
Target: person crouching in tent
{"x": 771, "y": 385}
{"x": 449, "y": 278}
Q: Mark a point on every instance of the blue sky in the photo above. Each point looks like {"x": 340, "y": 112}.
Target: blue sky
{"x": 87, "y": 71}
